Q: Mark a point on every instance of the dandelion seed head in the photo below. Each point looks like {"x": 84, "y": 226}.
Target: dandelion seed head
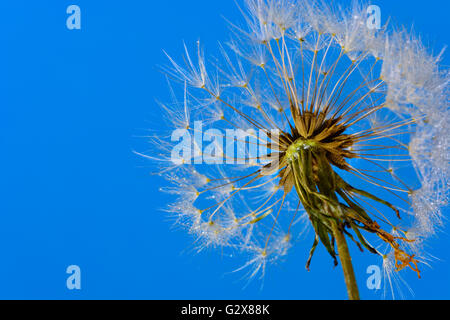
{"x": 343, "y": 109}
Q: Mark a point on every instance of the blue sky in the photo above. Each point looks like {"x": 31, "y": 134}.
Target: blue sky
{"x": 74, "y": 105}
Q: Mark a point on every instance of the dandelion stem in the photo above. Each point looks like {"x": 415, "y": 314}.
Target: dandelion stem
{"x": 346, "y": 262}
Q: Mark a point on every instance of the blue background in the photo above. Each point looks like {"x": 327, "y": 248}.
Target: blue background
{"x": 73, "y": 107}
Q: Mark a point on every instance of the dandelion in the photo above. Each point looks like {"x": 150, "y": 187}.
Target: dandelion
{"x": 354, "y": 125}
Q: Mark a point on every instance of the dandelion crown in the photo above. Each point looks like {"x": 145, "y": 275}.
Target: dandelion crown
{"x": 342, "y": 129}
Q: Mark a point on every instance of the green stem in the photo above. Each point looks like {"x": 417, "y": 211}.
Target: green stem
{"x": 346, "y": 262}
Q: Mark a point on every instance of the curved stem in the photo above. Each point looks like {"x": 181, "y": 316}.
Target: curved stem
{"x": 346, "y": 262}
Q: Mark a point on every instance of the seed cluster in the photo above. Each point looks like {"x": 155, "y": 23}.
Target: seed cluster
{"x": 361, "y": 151}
